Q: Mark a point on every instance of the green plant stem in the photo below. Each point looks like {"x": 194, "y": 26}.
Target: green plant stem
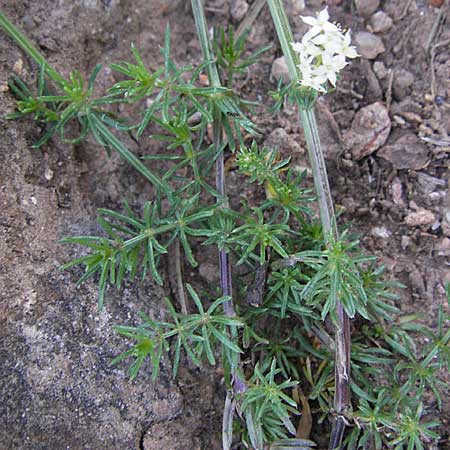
{"x": 31, "y": 50}
{"x": 325, "y": 200}
{"x": 239, "y": 384}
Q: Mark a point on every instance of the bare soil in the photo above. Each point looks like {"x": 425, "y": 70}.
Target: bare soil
{"x": 58, "y": 390}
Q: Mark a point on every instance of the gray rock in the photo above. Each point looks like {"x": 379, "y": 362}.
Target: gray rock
{"x": 369, "y": 46}
{"x": 370, "y": 129}
{"x": 380, "y": 232}
{"x": 238, "y": 9}
{"x": 381, "y": 22}
{"x": 446, "y": 221}
{"x": 366, "y": 8}
{"x": 407, "y": 152}
{"x": 280, "y": 69}
{"x": 297, "y": 6}
{"x": 403, "y": 80}
{"x": 380, "y": 70}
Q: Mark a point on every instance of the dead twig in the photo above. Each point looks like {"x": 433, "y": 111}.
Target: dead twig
{"x": 437, "y": 23}
{"x": 251, "y": 16}
{"x": 389, "y": 89}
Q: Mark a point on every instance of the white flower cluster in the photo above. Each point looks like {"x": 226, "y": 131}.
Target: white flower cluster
{"x": 323, "y": 52}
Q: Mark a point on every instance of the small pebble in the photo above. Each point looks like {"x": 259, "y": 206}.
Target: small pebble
{"x": 368, "y": 45}
{"x": 436, "y": 3}
{"x": 366, "y": 8}
{"x": 48, "y": 174}
{"x": 421, "y": 217}
{"x": 298, "y": 6}
{"x": 238, "y": 9}
{"x": 446, "y": 221}
{"x": 280, "y": 69}
{"x": 380, "y": 232}
{"x": 381, "y": 22}
{"x": 403, "y": 79}
{"x": 380, "y": 70}
{"x": 406, "y": 242}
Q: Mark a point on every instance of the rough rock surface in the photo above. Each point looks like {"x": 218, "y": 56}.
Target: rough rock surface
{"x": 369, "y": 45}
{"x": 407, "y": 152}
{"x": 370, "y": 129}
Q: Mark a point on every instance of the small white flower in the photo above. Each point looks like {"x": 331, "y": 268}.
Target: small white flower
{"x": 323, "y": 51}
{"x": 320, "y": 23}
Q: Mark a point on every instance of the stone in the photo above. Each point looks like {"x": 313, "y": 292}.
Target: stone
{"x": 380, "y": 232}
{"x": 238, "y": 9}
{"x": 381, "y": 22}
{"x": 369, "y": 131}
{"x": 446, "y": 222}
{"x": 209, "y": 272}
{"x": 403, "y": 80}
{"x": 380, "y": 70}
{"x": 407, "y": 152}
{"x": 369, "y": 45}
{"x": 366, "y": 8}
{"x": 297, "y": 6}
{"x": 397, "y": 192}
{"x": 280, "y": 69}
{"x": 421, "y": 217}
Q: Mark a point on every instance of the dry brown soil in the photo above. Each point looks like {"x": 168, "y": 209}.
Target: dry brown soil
{"x": 57, "y": 388}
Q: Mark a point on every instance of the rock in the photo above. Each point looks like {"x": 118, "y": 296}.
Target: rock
{"x": 381, "y": 22}
{"x": 417, "y": 281}
{"x": 368, "y": 45}
{"x": 407, "y": 152}
{"x": 380, "y": 70}
{"x": 406, "y": 242}
{"x": 430, "y": 185}
{"x": 446, "y": 222}
{"x": 209, "y": 272}
{"x": 380, "y": 232}
{"x": 297, "y": 6}
{"x": 366, "y": 8}
{"x": 402, "y": 82}
{"x": 369, "y": 131}
{"x": 443, "y": 247}
{"x": 238, "y": 9}
{"x": 397, "y": 192}
{"x": 280, "y": 69}
{"x": 421, "y": 217}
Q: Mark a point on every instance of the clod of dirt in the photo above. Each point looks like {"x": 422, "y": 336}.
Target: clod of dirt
{"x": 407, "y": 152}
{"x": 421, "y": 217}
{"x": 403, "y": 81}
{"x": 280, "y": 69}
{"x": 369, "y": 131}
{"x": 238, "y": 9}
{"x": 366, "y": 8}
{"x": 368, "y": 45}
{"x": 381, "y": 22}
